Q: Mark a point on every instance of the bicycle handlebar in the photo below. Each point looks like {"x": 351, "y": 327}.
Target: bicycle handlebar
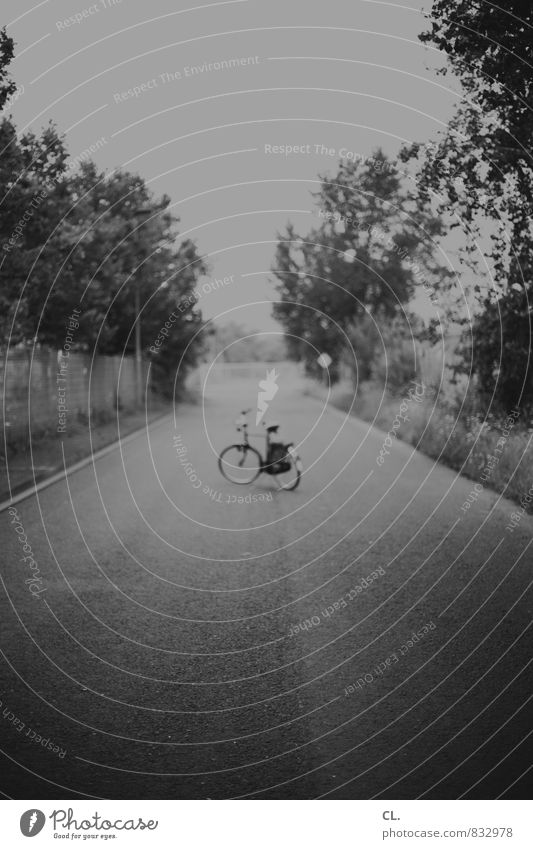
{"x": 245, "y": 424}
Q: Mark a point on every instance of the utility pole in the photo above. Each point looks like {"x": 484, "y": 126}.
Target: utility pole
{"x": 138, "y": 352}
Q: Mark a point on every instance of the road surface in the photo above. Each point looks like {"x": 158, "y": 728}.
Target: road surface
{"x": 183, "y": 643}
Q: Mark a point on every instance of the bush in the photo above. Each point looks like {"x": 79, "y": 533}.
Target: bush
{"x": 459, "y": 438}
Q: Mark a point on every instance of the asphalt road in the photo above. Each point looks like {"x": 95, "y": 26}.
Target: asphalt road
{"x": 161, "y": 654}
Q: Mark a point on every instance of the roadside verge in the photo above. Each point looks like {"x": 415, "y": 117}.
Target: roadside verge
{"x": 38, "y": 466}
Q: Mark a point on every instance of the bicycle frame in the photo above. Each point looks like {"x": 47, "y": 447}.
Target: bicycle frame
{"x": 246, "y": 441}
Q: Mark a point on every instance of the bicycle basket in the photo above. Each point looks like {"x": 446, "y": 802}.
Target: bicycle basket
{"x": 278, "y": 460}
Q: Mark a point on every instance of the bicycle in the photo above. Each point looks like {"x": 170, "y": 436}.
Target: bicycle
{"x": 241, "y": 463}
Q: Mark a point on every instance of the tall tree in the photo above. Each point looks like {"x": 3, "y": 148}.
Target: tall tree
{"x": 124, "y": 243}
{"x": 81, "y": 239}
{"x": 373, "y": 244}
{"x": 34, "y": 199}
{"x": 483, "y": 169}
{"x": 7, "y": 50}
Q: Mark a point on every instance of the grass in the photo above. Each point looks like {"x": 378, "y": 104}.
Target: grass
{"x": 28, "y": 463}
{"x": 460, "y": 439}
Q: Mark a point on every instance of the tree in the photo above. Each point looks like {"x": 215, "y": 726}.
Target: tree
{"x": 373, "y": 245}
{"x": 235, "y": 343}
{"x": 482, "y": 168}
{"x": 123, "y": 240}
{"x": 7, "y": 50}
{"x": 30, "y": 201}
{"x": 34, "y": 200}
{"x": 80, "y": 239}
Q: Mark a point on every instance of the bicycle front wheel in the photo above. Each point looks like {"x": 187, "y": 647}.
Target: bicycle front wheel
{"x": 240, "y": 464}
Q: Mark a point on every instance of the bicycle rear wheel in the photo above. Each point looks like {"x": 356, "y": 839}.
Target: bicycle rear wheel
{"x": 290, "y": 479}
{"x": 240, "y": 464}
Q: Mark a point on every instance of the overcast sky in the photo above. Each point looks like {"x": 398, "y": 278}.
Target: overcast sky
{"x": 346, "y": 75}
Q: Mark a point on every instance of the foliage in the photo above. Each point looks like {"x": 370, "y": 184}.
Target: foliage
{"x": 236, "y": 343}
{"x": 457, "y": 439}
{"x": 373, "y": 245}
{"x": 33, "y": 202}
{"x": 81, "y": 239}
{"x": 365, "y": 342}
{"x": 7, "y": 86}
{"x": 395, "y": 365}
{"x": 385, "y": 351}
{"x": 483, "y": 171}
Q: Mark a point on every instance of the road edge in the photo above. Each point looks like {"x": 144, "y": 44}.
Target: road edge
{"x": 80, "y": 464}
